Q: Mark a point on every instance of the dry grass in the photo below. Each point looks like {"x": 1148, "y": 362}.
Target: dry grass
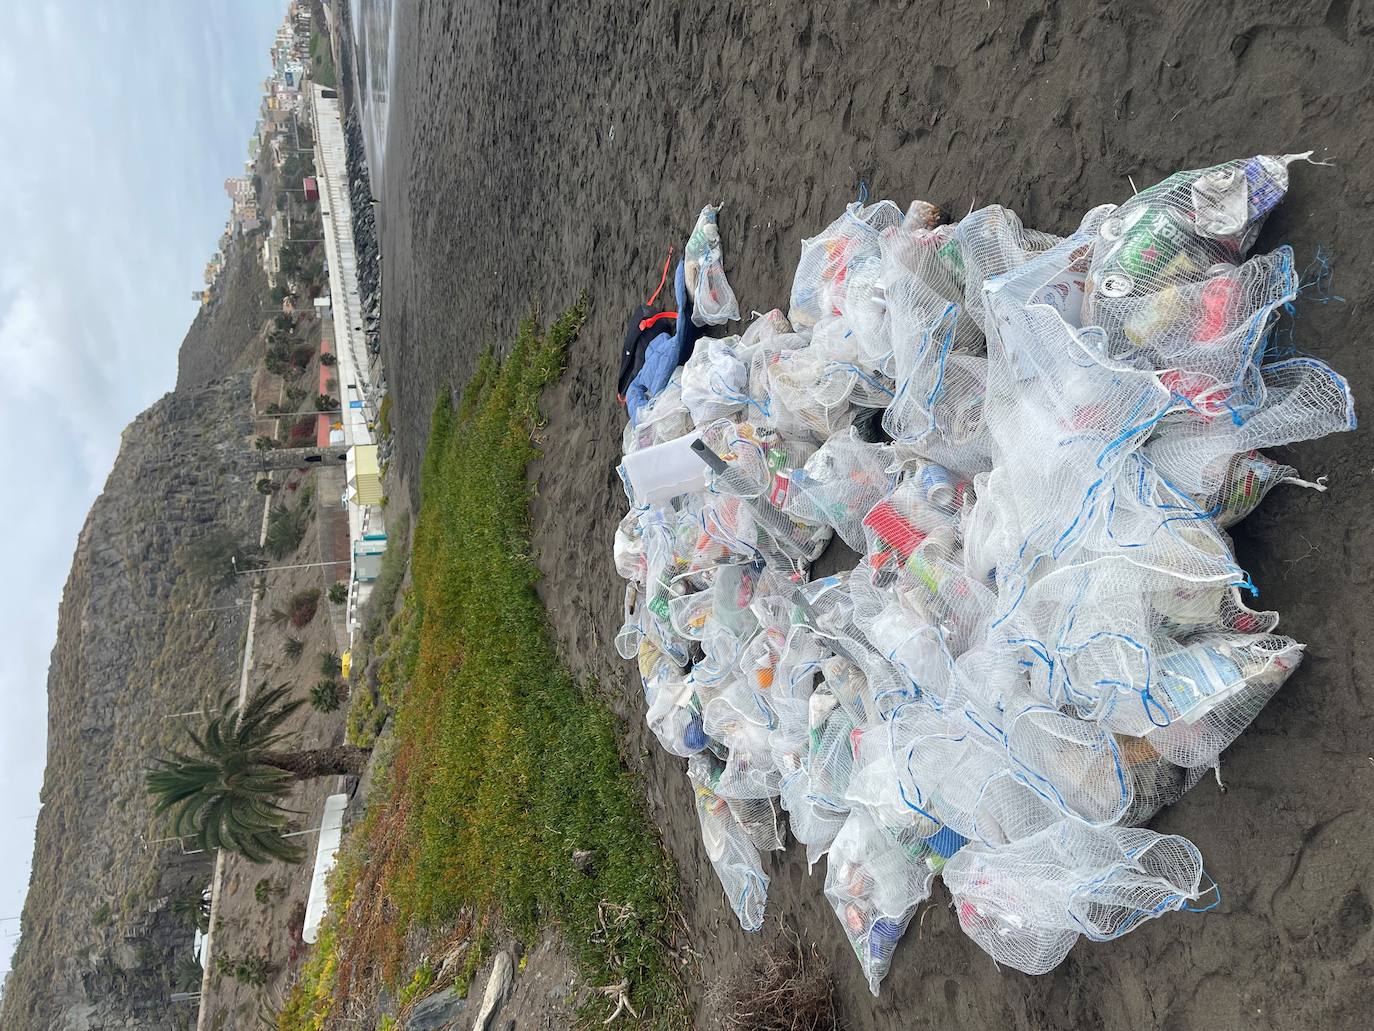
{"x": 788, "y": 989}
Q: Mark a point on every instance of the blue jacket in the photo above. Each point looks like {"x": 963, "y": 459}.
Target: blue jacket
{"x": 660, "y": 362}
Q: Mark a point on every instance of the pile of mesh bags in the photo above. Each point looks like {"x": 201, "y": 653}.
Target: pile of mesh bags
{"x": 1031, "y": 446}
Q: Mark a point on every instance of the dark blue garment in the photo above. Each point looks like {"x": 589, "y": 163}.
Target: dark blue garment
{"x": 660, "y": 362}
{"x": 688, "y": 331}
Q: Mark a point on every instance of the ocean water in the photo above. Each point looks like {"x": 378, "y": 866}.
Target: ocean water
{"x": 374, "y": 41}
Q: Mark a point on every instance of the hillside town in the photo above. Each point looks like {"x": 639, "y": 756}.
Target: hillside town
{"x": 273, "y": 150}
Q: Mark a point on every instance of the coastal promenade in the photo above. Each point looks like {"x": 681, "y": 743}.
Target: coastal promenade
{"x": 357, "y": 395}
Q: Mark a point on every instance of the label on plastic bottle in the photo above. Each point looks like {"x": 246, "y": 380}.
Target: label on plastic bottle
{"x": 1196, "y": 680}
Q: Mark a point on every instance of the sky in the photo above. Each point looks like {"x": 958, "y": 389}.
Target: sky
{"x": 121, "y": 121}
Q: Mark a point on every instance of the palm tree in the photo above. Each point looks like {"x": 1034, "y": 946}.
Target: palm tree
{"x": 227, "y": 793}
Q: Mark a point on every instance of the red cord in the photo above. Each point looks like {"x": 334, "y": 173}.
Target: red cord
{"x": 654, "y": 318}
{"x": 661, "y": 280}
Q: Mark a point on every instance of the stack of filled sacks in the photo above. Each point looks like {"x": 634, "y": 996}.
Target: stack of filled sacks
{"x": 1033, "y": 445}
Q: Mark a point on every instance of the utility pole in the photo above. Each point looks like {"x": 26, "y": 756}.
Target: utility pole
{"x": 303, "y": 565}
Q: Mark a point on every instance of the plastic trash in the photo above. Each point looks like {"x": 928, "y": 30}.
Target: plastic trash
{"x": 732, "y": 853}
{"x": 1026, "y": 903}
{"x": 1032, "y": 446}
{"x": 713, "y": 302}
{"x": 660, "y": 472}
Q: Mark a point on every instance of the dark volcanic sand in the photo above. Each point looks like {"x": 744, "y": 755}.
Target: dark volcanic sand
{"x": 504, "y": 189}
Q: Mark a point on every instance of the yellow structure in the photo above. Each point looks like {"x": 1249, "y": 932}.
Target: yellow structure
{"x": 364, "y": 474}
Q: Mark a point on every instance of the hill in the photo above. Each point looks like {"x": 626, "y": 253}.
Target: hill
{"x": 135, "y": 642}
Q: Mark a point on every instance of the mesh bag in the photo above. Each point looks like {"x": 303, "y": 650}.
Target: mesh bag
{"x": 810, "y": 395}
{"x": 1210, "y": 457}
{"x": 838, "y": 484}
{"x": 847, "y": 247}
{"x": 813, "y": 749}
{"x": 1026, "y": 903}
{"x": 874, "y": 881}
{"x": 713, "y": 301}
{"x": 1171, "y": 235}
{"x": 734, "y": 857}
{"x": 715, "y": 382}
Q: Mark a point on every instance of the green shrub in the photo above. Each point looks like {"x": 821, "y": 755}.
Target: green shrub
{"x": 326, "y": 695}
{"x": 338, "y": 592}
{"x": 294, "y": 645}
{"x": 286, "y": 526}
{"x": 330, "y": 664}
{"x": 420, "y": 983}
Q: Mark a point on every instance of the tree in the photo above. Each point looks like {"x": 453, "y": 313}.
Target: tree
{"x": 194, "y": 908}
{"x": 226, "y": 790}
{"x": 187, "y": 974}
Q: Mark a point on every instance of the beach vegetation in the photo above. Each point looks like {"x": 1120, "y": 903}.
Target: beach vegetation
{"x": 504, "y": 765}
{"x": 326, "y": 695}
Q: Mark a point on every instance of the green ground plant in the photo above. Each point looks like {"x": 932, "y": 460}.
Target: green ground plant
{"x": 504, "y": 766}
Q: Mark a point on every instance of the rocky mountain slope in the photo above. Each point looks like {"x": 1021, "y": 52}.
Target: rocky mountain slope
{"x": 138, "y": 638}
{"x": 215, "y": 344}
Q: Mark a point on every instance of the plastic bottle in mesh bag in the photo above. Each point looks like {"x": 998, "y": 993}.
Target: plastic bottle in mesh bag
{"x": 810, "y": 394}
{"x": 1026, "y": 903}
{"x": 1213, "y": 459}
{"x": 713, "y": 302}
{"x": 715, "y": 382}
{"x": 733, "y": 855}
{"x": 839, "y": 483}
{"x": 850, "y": 243}
{"x": 1218, "y": 684}
{"x": 671, "y": 704}
{"x": 811, "y": 749}
{"x": 756, "y": 463}
{"x": 875, "y": 878}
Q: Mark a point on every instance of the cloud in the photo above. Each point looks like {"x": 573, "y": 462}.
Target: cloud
{"x": 132, "y": 116}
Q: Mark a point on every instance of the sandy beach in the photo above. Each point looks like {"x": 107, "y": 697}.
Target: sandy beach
{"x": 539, "y": 151}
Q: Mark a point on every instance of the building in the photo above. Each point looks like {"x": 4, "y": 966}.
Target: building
{"x": 271, "y": 248}
{"x": 244, "y": 200}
